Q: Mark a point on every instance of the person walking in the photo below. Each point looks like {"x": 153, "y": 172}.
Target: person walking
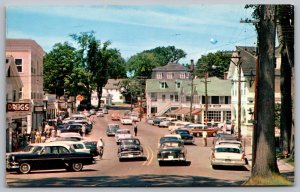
{"x": 100, "y": 147}
{"x": 204, "y": 135}
{"x": 135, "y": 129}
{"x": 38, "y": 137}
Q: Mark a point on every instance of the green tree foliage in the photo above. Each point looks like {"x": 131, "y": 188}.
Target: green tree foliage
{"x": 215, "y": 63}
{"x": 142, "y": 63}
{"x": 58, "y": 68}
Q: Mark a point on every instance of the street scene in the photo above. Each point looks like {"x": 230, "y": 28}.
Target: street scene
{"x": 144, "y": 96}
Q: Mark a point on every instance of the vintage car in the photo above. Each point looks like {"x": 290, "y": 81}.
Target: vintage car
{"x": 176, "y": 137}
{"x": 157, "y": 120}
{"x": 171, "y": 151}
{"x": 126, "y": 120}
{"x": 130, "y": 148}
{"x": 186, "y": 136}
{"x": 225, "y": 138}
{"x": 227, "y": 155}
{"x": 122, "y": 134}
{"x": 198, "y": 129}
{"x": 166, "y": 122}
{"x": 92, "y": 145}
{"x": 112, "y": 129}
{"x": 88, "y": 125}
{"x": 177, "y": 124}
{"x": 115, "y": 117}
{"x": 78, "y": 146}
{"x": 46, "y": 156}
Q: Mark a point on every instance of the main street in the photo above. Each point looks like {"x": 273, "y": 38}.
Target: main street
{"x": 109, "y": 172}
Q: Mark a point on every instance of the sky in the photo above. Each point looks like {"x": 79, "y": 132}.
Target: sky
{"x": 135, "y": 28}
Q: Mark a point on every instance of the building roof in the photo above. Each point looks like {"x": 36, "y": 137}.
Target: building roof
{"x": 215, "y": 86}
{"x": 113, "y": 84}
{"x": 171, "y": 67}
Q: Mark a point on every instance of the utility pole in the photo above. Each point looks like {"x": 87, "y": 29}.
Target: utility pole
{"x": 238, "y": 65}
{"x": 192, "y": 88}
{"x": 206, "y": 95}
{"x": 254, "y": 131}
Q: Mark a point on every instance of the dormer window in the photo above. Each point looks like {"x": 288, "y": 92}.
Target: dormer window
{"x": 169, "y": 75}
{"x": 163, "y": 85}
{"x": 182, "y": 76}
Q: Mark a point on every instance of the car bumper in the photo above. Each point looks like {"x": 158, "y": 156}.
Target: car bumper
{"x": 131, "y": 154}
{"x": 228, "y": 162}
{"x": 171, "y": 159}
{"x": 11, "y": 166}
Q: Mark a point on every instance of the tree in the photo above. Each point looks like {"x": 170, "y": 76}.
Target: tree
{"x": 142, "y": 63}
{"x": 220, "y": 60}
{"x": 58, "y": 66}
{"x": 285, "y": 30}
{"x": 265, "y": 163}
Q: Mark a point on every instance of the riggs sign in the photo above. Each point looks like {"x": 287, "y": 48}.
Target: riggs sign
{"x": 17, "y": 107}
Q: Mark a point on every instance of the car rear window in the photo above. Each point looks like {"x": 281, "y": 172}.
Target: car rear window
{"x": 227, "y": 150}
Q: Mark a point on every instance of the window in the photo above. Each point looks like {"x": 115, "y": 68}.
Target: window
{"x": 169, "y": 75}
{"x": 171, "y": 97}
{"x": 159, "y": 76}
{"x": 188, "y": 98}
{"x": 163, "y": 97}
{"x": 153, "y": 97}
{"x": 215, "y": 100}
{"x": 177, "y": 85}
{"x": 182, "y": 76}
{"x": 215, "y": 115}
{"x": 176, "y": 98}
{"x": 21, "y": 93}
{"x": 164, "y": 85}
{"x": 63, "y": 150}
{"x": 14, "y": 95}
{"x": 153, "y": 109}
{"x": 227, "y": 100}
{"x": 19, "y": 64}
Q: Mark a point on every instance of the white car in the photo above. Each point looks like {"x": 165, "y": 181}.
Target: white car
{"x": 78, "y": 146}
{"x": 122, "y": 134}
{"x": 126, "y": 120}
{"x": 227, "y": 155}
{"x": 166, "y": 122}
{"x": 176, "y": 124}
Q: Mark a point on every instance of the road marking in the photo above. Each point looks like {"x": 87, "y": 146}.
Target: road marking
{"x": 144, "y": 163}
{"x": 152, "y": 156}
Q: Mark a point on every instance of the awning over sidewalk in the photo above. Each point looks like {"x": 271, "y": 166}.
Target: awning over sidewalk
{"x": 185, "y": 111}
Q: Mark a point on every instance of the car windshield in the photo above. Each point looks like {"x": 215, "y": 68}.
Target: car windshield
{"x": 182, "y": 132}
{"x": 170, "y": 145}
{"x": 168, "y": 138}
{"x": 227, "y": 150}
{"x": 130, "y": 142}
{"x": 123, "y": 131}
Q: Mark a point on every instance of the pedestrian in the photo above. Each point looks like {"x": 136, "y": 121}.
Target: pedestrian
{"x": 100, "y": 147}
{"x": 38, "y": 137}
{"x": 204, "y": 135}
{"x": 83, "y": 130}
{"x": 32, "y": 136}
{"x": 135, "y": 129}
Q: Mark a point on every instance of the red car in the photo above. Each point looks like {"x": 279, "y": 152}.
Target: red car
{"x": 115, "y": 117}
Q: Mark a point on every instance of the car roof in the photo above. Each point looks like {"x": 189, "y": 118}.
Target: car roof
{"x": 172, "y": 135}
{"x": 49, "y": 144}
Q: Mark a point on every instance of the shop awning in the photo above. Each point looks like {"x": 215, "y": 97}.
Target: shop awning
{"x": 185, "y": 111}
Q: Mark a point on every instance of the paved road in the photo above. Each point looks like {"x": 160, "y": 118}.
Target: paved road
{"x": 109, "y": 172}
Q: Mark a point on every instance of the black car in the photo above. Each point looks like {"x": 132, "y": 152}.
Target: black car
{"x": 73, "y": 127}
{"x": 88, "y": 126}
{"x": 92, "y": 145}
{"x": 46, "y": 156}
{"x": 112, "y": 129}
{"x": 185, "y": 136}
{"x": 171, "y": 151}
{"x": 130, "y": 148}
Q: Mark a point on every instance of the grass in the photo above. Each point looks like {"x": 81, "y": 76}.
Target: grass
{"x": 274, "y": 180}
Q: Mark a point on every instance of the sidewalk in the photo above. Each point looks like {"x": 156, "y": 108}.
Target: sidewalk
{"x": 282, "y": 166}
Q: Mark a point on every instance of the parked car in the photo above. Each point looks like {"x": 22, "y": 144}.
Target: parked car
{"x": 186, "y": 136}
{"x": 176, "y": 124}
{"x": 126, "y": 120}
{"x": 112, "y": 129}
{"x": 197, "y": 129}
{"x": 73, "y": 127}
{"x": 226, "y": 137}
{"x": 227, "y": 155}
{"x": 92, "y": 146}
{"x": 166, "y": 122}
{"x": 88, "y": 125}
{"x": 171, "y": 151}
{"x": 130, "y": 148}
{"x": 157, "y": 120}
{"x": 150, "y": 120}
{"x": 115, "y": 117}
{"x": 122, "y": 134}
{"x": 46, "y": 156}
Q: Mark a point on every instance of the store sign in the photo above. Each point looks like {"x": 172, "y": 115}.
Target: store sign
{"x": 17, "y": 107}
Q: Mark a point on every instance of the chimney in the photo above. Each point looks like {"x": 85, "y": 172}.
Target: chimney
{"x": 192, "y": 67}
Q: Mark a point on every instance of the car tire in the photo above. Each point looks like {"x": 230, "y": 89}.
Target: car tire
{"x": 76, "y": 167}
{"x": 24, "y": 168}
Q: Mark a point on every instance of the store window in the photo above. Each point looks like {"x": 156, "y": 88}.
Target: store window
{"x": 215, "y": 115}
